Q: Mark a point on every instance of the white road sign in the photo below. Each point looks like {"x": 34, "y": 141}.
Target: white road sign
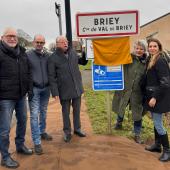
{"x": 107, "y": 24}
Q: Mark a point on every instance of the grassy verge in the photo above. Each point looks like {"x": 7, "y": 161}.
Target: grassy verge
{"x": 96, "y": 104}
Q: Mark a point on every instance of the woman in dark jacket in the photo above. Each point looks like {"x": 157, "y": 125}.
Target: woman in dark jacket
{"x": 158, "y": 96}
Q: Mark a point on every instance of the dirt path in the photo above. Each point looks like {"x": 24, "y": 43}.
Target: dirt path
{"x": 90, "y": 153}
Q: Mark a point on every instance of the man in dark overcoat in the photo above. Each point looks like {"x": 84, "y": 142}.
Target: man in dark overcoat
{"x": 66, "y": 84}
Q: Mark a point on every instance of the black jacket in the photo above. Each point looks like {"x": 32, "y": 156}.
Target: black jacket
{"x": 15, "y": 77}
{"x": 158, "y": 86}
{"x": 64, "y": 75}
{"x": 38, "y": 68}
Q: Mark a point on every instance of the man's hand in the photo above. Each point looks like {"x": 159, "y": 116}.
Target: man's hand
{"x": 30, "y": 95}
{"x": 152, "y": 102}
{"x": 56, "y": 98}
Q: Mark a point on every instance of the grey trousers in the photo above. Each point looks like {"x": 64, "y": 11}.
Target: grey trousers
{"x": 66, "y": 104}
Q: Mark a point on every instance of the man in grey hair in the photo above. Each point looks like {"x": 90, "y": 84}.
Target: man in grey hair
{"x": 66, "y": 84}
{"x": 16, "y": 81}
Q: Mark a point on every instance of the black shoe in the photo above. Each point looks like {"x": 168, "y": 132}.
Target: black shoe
{"x": 9, "y": 163}
{"x": 46, "y": 136}
{"x": 38, "y": 149}
{"x": 166, "y": 150}
{"x": 80, "y": 133}
{"x": 24, "y": 150}
{"x": 67, "y": 137}
{"x": 154, "y": 148}
{"x": 165, "y": 156}
{"x": 137, "y": 139}
{"x": 118, "y": 126}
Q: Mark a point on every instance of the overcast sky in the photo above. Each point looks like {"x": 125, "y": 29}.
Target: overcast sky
{"x": 38, "y": 16}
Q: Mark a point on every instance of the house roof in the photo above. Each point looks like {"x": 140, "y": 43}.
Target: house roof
{"x": 155, "y": 19}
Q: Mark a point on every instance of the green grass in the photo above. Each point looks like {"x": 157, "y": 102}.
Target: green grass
{"x": 96, "y": 104}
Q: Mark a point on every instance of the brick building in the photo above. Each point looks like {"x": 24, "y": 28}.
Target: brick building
{"x": 158, "y": 28}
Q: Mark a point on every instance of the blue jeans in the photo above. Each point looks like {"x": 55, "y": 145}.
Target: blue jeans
{"x": 38, "y": 110}
{"x": 158, "y": 123}
{"x": 6, "y": 111}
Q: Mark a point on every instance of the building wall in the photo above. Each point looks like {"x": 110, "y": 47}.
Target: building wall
{"x": 160, "y": 28}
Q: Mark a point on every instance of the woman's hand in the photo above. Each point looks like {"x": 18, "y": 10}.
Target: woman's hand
{"x": 152, "y": 102}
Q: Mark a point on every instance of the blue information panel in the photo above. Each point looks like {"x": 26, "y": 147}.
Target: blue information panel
{"x": 107, "y": 77}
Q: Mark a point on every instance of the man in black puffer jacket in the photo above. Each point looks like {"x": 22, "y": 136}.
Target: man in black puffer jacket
{"x": 15, "y": 82}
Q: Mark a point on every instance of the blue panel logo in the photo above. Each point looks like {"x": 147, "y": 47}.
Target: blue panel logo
{"x": 107, "y": 77}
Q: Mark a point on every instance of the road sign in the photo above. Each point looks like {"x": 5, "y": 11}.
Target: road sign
{"x": 107, "y": 77}
{"x": 107, "y": 24}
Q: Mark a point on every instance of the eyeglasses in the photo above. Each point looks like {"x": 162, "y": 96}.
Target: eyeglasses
{"x": 10, "y": 36}
{"x": 62, "y": 42}
{"x": 39, "y": 42}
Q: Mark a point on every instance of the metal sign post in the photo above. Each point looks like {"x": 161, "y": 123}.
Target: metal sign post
{"x": 109, "y": 117}
{"x": 68, "y": 22}
{"x": 91, "y": 25}
{"x": 107, "y": 78}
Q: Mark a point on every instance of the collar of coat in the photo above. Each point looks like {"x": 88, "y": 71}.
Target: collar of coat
{"x": 142, "y": 59}
{"x": 12, "y": 52}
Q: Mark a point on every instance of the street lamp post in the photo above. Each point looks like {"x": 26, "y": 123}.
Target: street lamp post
{"x": 68, "y": 22}
{"x": 58, "y": 13}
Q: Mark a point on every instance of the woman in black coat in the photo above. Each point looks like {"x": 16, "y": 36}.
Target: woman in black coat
{"x": 158, "y": 96}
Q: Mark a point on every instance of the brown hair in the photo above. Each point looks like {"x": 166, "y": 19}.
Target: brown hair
{"x": 154, "y": 58}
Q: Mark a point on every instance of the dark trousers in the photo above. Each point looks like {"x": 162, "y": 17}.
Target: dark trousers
{"x": 6, "y": 110}
{"x": 66, "y": 104}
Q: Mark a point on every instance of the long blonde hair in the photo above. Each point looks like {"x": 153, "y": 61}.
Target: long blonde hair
{"x": 153, "y": 60}
{"x": 155, "y": 57}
